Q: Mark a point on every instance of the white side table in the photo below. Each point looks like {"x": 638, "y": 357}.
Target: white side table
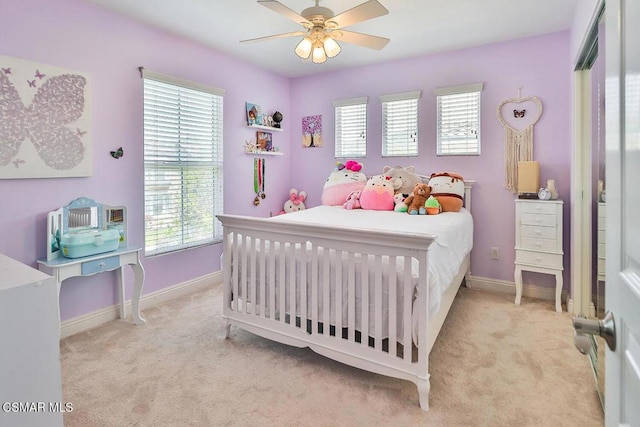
{"x": 539, "y": 242}
{"x": 63, "y": 268}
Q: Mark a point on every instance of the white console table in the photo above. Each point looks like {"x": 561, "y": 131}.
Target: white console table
{"x": 63, "y": 268}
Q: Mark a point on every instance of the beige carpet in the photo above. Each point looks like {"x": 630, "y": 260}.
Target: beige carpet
{"x": 494, "y": 364}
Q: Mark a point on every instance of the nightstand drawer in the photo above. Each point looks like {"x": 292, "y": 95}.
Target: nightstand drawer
{"x": 538, "y": 208}
{"x": 545, "y": 220}
{"x": 537, "y": 231}
{"x": 540, "y": 259}
{"x": 100, "y": 265}
{"x": 539, "y": 244}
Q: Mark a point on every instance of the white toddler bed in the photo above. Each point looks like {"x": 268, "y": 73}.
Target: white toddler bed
{"x": 370, "y": 289}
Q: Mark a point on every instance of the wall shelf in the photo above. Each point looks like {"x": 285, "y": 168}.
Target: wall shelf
{"x": 264, "y": 153}
{"x": 267, "y": 128}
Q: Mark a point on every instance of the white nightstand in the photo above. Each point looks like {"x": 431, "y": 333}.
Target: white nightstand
{"x": 539, "y": 242}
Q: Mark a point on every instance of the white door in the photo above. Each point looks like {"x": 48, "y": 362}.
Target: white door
{"x": 622, "y": 383}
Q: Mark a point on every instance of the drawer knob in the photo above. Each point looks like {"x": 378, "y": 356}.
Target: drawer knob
{"x": 537, "y": 258}
{"x": 538, "y": 244}
{"x": 537, "y": 219}
{"x": 102, "y": 265}
{"x": 538, "y": 232}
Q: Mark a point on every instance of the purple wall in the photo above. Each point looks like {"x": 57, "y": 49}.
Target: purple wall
{"x": 76, "y": 35}
{"x": 541, "y": 65}
{"x": 79, "y": 36}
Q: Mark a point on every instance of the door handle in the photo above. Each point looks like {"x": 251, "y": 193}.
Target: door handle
{"x": 606, "y": 328}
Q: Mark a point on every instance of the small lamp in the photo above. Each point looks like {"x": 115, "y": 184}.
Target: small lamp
{"x": 303, "y": 49}
{"x": 319, "y": 55}
{"x": 331, "y": 47}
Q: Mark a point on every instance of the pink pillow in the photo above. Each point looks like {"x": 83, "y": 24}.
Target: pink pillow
{"x": 377, "y": 194}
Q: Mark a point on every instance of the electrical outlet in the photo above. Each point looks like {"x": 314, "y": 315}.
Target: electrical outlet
{"x": 495, "y": 253}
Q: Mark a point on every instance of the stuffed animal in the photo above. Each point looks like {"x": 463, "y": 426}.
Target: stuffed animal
{"x": 448, "y": 188}
{"x": 407, "y": 176}
{"x": 344, "y": 180}
{"x": 416, "y": 201}
{"x": 432, "y": 205}
{"x": 378, "y": 194}
{"x": 400, "y": 205}
{"x": 295, "y": 201}
{"x": 353, "y": 201}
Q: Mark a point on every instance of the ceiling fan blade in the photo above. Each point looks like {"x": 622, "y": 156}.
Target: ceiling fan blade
{"x": 278, "y": 7}
{"x": 368, "y": 10}
{"x": 277, "y": 36}
{"x": 365, "y": 40}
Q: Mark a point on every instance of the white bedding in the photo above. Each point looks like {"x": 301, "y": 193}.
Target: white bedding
{"x": 454, "y": 231}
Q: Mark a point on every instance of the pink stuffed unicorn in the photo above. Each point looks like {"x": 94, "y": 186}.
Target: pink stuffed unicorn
{"x": 353, "y": 201}
{"x": 344, "y": 180}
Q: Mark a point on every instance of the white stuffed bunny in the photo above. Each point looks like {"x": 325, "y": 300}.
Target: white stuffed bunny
{"x": 295, "y": 201}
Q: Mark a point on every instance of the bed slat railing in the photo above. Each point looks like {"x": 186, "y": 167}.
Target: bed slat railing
{"x": 347, "y": 294}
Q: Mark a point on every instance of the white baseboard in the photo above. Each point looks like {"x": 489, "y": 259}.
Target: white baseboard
{"x": 505, "y": 286}
{"x": 91, "y": 320}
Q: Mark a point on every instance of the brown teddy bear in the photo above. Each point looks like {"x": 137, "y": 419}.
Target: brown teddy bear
{"x": 415, "y": 202}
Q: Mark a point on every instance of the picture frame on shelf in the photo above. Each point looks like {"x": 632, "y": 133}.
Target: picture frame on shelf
{"x": 264, "y": 140}
{"x": 254, "y": 114}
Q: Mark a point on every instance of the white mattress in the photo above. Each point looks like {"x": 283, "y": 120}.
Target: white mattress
{"x": 454, "y": 231}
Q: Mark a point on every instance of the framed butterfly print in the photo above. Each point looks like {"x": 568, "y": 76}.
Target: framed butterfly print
{"x": 45, "y": 121}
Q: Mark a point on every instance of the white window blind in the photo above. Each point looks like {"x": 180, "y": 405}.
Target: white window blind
{"x": 351, "y": 127}
{"x": 182, "y": 163}
{"x": 458, "y": 121}
{"x": 400, "y": 124}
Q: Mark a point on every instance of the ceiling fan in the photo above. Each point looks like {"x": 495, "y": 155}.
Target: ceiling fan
{"x": 323, "y": 29}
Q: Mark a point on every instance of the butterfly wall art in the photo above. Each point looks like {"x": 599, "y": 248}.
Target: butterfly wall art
{"x": 45, "y": 122}
{"x": 118, "y": 153}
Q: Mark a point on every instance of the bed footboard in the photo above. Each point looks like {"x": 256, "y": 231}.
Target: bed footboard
{"x": 347, "y": 294}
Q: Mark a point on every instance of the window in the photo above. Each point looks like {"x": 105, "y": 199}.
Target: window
{"x": 458, "y": 120}
{"x": 182, "y": 163}
{"x": 351, "y": 127}
{"x": 400, "y": 124}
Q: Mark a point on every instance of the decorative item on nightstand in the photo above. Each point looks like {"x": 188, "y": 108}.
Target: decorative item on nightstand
{"x": 528, "y": 180}
{"x": 544, "y": 194}
{"x": 539, "y": 242}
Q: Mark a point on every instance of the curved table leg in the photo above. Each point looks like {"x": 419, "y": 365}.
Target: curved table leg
{"x": 138, "y": 273}
{"x": 518, "y": 279}
{"x": 559, "y": 291}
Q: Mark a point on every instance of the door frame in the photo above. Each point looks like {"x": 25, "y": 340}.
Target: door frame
{"x": 580, "y": 301}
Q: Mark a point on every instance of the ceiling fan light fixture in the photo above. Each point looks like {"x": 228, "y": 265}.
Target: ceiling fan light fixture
{"x": 319, "y": 55}
{"x": 331, "y": 47}
{"x": 303, "y": 49}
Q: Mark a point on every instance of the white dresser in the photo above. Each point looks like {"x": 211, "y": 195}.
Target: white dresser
{"x": 539, "y": 242}
{"x": 602, "y": 249}
{"x": 30, "y": 381}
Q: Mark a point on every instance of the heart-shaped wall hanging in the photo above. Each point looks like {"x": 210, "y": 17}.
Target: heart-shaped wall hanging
{"x": 518, "y": 115}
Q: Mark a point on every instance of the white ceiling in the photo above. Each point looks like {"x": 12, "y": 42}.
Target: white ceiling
{"x": 415, "y": 27}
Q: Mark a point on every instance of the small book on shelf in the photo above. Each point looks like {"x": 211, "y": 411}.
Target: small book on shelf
{"x": 254, "y": 114}
{"x": 264, "y": 141}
